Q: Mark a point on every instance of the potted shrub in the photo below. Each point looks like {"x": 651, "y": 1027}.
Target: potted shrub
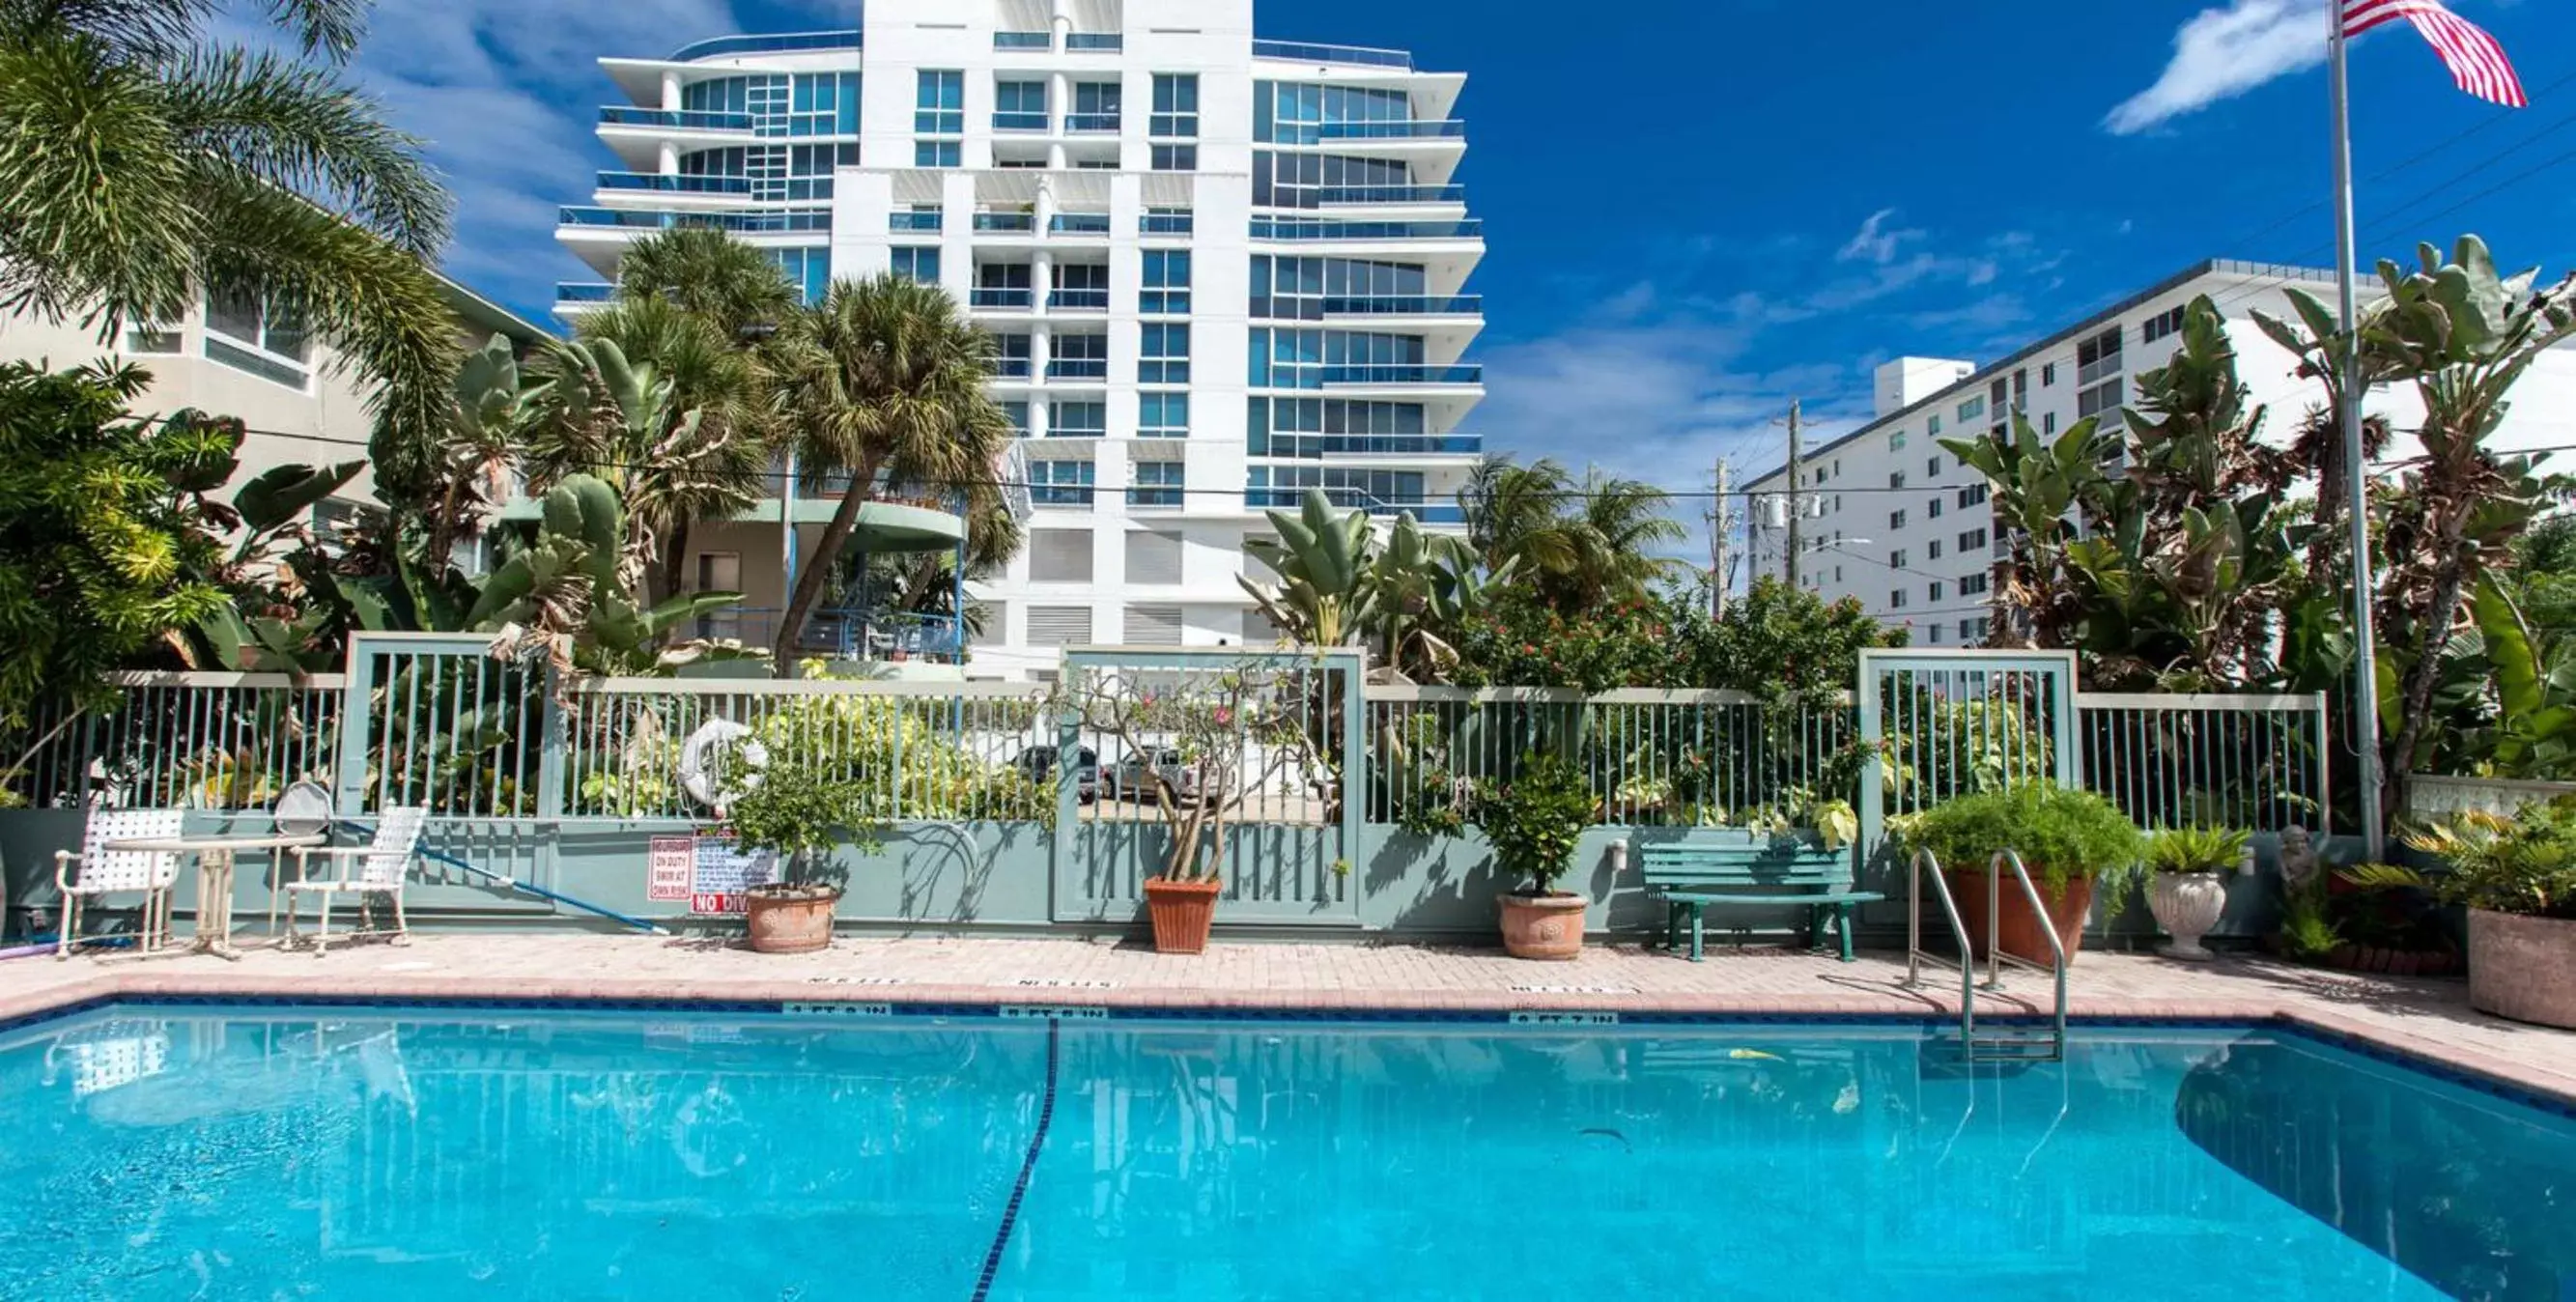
{"x": 801, "y": 807}
{"x": 2187, "y": 871}
{"x": 1533, "y": 822}
{"x": 2072, "y": 842}
{"x": 2518, "y": 878}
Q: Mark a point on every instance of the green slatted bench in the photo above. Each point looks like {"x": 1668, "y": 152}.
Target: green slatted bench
{"x": 1692, "y": 877}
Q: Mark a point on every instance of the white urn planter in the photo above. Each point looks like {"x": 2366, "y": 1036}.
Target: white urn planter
{"x": 2187, "y": 905}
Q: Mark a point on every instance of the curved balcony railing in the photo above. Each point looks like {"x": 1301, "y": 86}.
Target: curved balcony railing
{"x": 618, "y": 115}
{"x": 1427, "y": 511}
{"x": 1403, "y": 374}
{"x": 843, "y": 634}
{"x": 1304, "y": 52}
{"x": 1340, "y": 194}
{"x": 584, "y": 291}
{"x": 1405, "y": 305}
{"x": 808, "y": 219}
{"x": 1289, "y": 228}
{"x": 717, "y": 46}
{"x": 1442, "y": 129}
{"x": 665, "y": 183}
{"x": 1311, "y": 447}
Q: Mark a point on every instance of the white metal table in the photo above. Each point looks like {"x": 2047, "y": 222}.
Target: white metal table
{"x": 214, "y": 923}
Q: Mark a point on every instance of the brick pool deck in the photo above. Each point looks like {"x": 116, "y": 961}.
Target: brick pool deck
{"x": 2422, "y": 1017}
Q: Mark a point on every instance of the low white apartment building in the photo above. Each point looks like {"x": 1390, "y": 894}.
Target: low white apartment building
{"x": 1220, "y": 270}
{"x": 1892, "y": 519}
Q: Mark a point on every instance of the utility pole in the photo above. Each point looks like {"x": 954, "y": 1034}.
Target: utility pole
{"x": 1721, "y": 524}
{"x": 1791, "y": 560}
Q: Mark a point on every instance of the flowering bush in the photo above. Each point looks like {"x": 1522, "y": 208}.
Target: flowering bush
{"x": 1774, "y": 639}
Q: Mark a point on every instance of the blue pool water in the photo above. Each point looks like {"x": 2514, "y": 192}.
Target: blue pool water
{"x": 397, "y": 1154}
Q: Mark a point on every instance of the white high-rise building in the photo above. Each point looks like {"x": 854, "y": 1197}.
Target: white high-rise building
{"x": 1220, "y": 270}
{"x": 1890, "y": 518}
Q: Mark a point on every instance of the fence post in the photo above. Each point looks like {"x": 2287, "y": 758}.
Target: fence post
{"x": 1355, "y": 786}
{"x": 2325, "y": 772}
{"x": 357, "y": 721}
{"x": 550, "y": 773}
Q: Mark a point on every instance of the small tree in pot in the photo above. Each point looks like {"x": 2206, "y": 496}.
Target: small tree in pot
{"x": 1534, "y": 821}
{"x": 2072, "y": 842}
{"x": 802, "y": 807}
{"x": 2518, "y": 878}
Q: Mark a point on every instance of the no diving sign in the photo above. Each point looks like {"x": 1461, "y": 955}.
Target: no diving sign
{"x": 710, "y": 872}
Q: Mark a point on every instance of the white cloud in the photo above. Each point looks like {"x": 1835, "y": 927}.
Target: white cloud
{"x": 1874, "y": 242}
{"x": 2222, "y": 53}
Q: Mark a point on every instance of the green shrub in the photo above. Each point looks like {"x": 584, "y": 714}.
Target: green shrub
{"x": 2062, "y": 835}
{"x": 2197, "y": 850}
{"x": 1534, "y": 820}
{"x": 2525, "y": 864}
{"x": 801, "y": 809}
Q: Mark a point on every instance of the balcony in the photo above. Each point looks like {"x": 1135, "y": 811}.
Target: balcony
{"x": 616, "y": 115}
{"x": 1011, "y": 368}
{"x": 1001, "y": 297}
{"x": 1090, "y": 124}
{"x": 1357, "y": 194}
{"x": 1405, "y": 305}
{"x": 584, "y": 291}
{"x": 1094, "y": 42}
{"x": 750, "y": 223}
{"x": 1402, "y": 374}
{"x": 914, "y": 221}
{"x": 1017, "y": 121}
{"x": 664, "y": 183}
{"x": 1288, "y": 499}
{"x": 1078, "y": 223}
{"x": 1295, "y": 228}
{"x": 843, "y": 634}
{"x": 1166, "y": 223}
{"x": 1008, "y": 223}
{"x": 1315, "y": 447}
{"x": 784, "y": 41}
{"x": 1023, "y": 40}
{"x": 1079, "y": 300}
{"x": 1304, "y": 52}
{"x": 1078, "y": 368}
{"x": 1443, "y": 129}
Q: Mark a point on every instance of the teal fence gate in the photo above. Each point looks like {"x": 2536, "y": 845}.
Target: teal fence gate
{"x": 1945, "y": 723}
{"x": 1264, "y": 748}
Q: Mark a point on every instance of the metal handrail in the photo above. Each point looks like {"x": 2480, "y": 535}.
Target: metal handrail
{"x": 1914, "y": 953}
{"x": 1994, "y": 932}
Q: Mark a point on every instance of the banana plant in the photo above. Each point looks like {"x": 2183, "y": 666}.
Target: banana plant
{"x": 1327, "y": 589}
{"x": 2038, "y": 484}
{"x": 568, "y": 590}
{"x": 2534, "y": 733}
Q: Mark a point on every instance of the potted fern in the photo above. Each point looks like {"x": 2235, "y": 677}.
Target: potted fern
{"x": 2074, "y": 844}
{"x": 2518, "y": 878}
{"x": 2187, "y": 883}
{"x": 1534, "y": 821}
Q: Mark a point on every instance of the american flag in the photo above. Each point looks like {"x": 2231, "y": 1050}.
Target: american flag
{"x": 2476, "y": 62}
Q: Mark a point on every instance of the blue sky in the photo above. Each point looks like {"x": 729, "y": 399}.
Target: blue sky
{"x": 1699, "y": 210}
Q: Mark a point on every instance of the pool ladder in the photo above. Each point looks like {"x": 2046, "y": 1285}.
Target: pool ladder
{"x": 2008, "y": 1046}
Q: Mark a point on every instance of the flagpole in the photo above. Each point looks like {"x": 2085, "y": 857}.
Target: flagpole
{"x": 2348, "y": 398}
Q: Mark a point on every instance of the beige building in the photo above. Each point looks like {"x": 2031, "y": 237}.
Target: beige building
{"x": 231, "y": 358}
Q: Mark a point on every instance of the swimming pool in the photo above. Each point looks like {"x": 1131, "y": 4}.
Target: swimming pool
{"x": 398, "y": 1153}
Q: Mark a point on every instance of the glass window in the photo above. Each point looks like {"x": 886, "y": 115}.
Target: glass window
{"x": 2098, "y": 356}
{"x": 1011, "y": 354}
{"x": 808, "y": 269}
{"x": 1932, "y": 509}
{"x": 1080, "y": 284}
{"x": 1061, "y": 483}
{"x": 266, "y": 338}
{"x": 1176, "y": 105}
{"x": 1176, "y": 158}
{"x": 1157, "y": 483}
{"x": 1971, "y": 409}
{"x": 1935, "y": 426}
{"x": 1163, "y": 356}
{"x": 1167, "y": 283}
{"x": 1162, "y": 415}
{"x": 1895, "y": 443}
{"x": 1096, "y": 106}
{"x": 1019, "y": 106}
{"x": 1075, "y": 420}
{"x": 2047, "y": 374}
{"x": 1896, "y": 519}
{"x": 940, "y": 109}
{"x": 937, "y": 153}
{"x": 921, "y": 264}
{"x": 1017, "y": 414}
{"x": 1078, "y": 357}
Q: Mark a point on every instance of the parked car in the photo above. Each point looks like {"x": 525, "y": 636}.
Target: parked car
{"x": 1038, "y": 762}
{"x": 1128, "y": 780}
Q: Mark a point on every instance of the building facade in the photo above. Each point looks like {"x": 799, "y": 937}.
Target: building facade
{"x": 1218, "y": 271}
{"x": 1888, "y": 517}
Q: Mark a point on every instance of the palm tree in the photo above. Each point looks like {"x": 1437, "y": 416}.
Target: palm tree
{"x": 884, "y": 381}
{"x": 709, "y": 273}
{"x": 1583, "y": 545}
{"x": 1620, "y": 527}
{"x": 663, "y": 408}
{"x": 1516, "y": 510}
{"x": 147, "y": 165}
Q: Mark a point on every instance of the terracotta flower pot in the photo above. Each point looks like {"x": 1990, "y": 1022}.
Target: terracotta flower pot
{"x": 2523, "y": 968}
{"x": 789, "y": 919}
{"x": 2022, "y": 934}
{"x": 1546, "y": 927}
{"x": 1182, "y": 912}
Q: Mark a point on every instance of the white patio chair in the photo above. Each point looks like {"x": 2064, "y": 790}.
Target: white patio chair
{"x": 380, "y": 867}
{"x": 103, "y": 871}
